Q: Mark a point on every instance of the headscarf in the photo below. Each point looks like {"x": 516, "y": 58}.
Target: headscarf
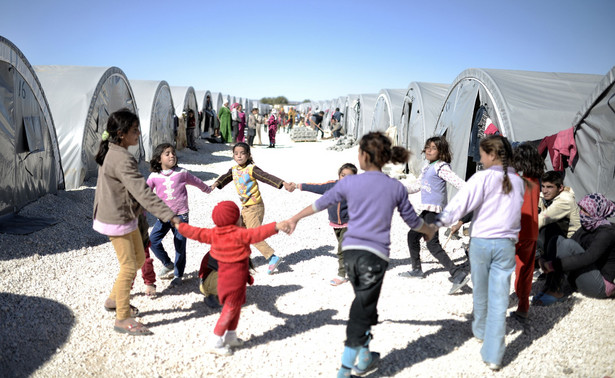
{"x": 596, "y": 208}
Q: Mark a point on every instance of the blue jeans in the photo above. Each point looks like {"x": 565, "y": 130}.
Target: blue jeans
{"x": 159, "y": 231}
{"x": 492, "y": 262}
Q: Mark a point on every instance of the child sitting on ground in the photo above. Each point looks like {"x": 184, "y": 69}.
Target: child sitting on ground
{"x": 230, "y": 246}
{"x": 338, "y": 216}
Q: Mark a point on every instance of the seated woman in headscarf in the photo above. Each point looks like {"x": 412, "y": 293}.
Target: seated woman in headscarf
{"x": 587, "y": 259}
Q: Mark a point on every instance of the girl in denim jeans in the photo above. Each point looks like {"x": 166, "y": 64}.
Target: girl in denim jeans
{"x": 495, "y": 194}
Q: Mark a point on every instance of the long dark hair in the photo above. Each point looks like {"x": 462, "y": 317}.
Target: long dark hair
{"x": 154, "y": 164}
{"x": 501, "y": 147}
{"x": 118, "y": 124}
{"x": 246, "y": 148}
{"x": 526, "y": 159}
{"x": 380, "y": 149}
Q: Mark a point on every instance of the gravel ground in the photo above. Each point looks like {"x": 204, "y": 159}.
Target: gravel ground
{"x": 53, "y": 284}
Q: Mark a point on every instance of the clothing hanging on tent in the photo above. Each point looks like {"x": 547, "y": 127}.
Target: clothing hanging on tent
{"x": 561, "y": 147}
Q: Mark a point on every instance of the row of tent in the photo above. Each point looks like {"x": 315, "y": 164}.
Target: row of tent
{"x": 523, "y": 106}
{"x": 52, "y": 118}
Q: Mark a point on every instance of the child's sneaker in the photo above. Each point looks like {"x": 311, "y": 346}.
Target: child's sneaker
{"x": 166, "y": 272}
{"x": 217, "y": 346}
{"x": 177, "y": 281}
{"x": 231, "y": 339}
{"x": 150, "y": 290}
{"x": 373, "y": 365}
{"x": 274, "y": 261}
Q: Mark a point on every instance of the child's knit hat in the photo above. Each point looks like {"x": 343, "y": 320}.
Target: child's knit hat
{"x": 225, "y": 213}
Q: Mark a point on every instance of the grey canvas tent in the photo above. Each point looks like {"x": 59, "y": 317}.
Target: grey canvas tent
{"x": 184, "y": 99}
{"x": 594, "y": 134}
{"x": 30, "y": 163}
{"x": 387, "y": 111}
{"x": 81, "y": 100}
{"x": 351, "y": 117}
{"x": 420, "y": 110}
{"x": 155, "y": 113}
{"x": 365, "y": 111}
{"x": 523, "y": 105}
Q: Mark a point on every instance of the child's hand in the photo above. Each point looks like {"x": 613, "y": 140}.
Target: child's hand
{"x": 456, "y": 227}
{"x": 290, "y": 186}
{"x": 283, "y": 226}
{"x": 175, "y": 221}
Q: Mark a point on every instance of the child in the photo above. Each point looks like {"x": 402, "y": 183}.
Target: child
{"x": 120, "y": 192}
{"x": 244, "y": 175}
{"x": 169, "y": 182}
{"x": 372, "y": 197}
{"x": 230, "y": 246}
{"x": 338, "y": 216}
{"x": 496, "y": 196}
{"x": 432, "y": 184}
{"x": 273, "y": 123}
{"x": 528, "y": 162}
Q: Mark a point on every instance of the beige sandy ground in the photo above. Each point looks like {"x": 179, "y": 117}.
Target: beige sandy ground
{"x": 53, "y": 284}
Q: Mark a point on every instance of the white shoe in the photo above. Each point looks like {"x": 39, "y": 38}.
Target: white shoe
{"x": 223, "y": 350}
{"x": 231, "y": 339}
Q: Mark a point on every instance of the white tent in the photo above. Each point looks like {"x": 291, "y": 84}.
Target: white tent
{"x": 156, "y": 111}
{"x": 594, "y": 133}
{"x": 365, "y": 111}
{"x": 352, "y": 115}
{"x": 523, "y": 105}
{"x": 81, "y": 100}
{"x": 30, "y": 164}
{"x": 420, "y": 111}
{"x": 184, "y": 99}
{"x": 387, "y": 111}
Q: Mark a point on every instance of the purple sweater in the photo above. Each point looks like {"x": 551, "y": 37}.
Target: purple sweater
{"x": 170, "y": 186}
{"x": 371, "y": 196}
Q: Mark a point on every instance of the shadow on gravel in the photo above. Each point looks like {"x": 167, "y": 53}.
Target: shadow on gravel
{"x": 430, "y": 346}
{"x": 27, "y": 341}
{"x": 296, "y": 257}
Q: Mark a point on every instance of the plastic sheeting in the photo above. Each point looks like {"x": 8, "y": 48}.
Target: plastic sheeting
{"x": 523, "y": 105}
{"x": 81, "y": 100}
{"x": 30, "y": 164}
{"x": 422, "y": 105}
{"x": 367, "y": 102}
{"x": 594, "y": 134}
{"x": 387, "y": 111}
{"x": 156, "y": 111}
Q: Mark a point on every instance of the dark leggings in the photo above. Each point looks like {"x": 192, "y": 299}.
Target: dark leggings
{"x": 414, "y": 244}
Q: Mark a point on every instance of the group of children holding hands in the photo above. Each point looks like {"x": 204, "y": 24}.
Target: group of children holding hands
{"x": 360, "y": 208}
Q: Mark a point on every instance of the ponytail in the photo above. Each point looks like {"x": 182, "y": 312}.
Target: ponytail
{"x": 502, "y": 148}
{"x": 118, "y": 124}
{"x": 380, "y": 149}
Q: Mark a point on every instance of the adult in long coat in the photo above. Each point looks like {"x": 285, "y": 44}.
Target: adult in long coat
{"x": 224, "y": 115}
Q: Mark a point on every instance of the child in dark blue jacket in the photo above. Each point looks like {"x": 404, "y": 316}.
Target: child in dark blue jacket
{"x": 338, "y": 216}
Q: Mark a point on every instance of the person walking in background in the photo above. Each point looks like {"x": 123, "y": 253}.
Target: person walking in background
{"x": 234, "y": 121}
{"x": 495, "y": 195}
{"x": 372, "y": 197}
{"x": 120, "y": 192}
{"x": 224, "y": 116}
{"x": 273, "y": 123}
{"x": 190, "y": 130}
{"x": 245, "y": 175}
{"x": 230, "y": 246}
{"x": 292, "y": 113}
{"x": 530, "y": 165}
{"x": 432, "y": 185}
{"x": 169, "y": 182}
{"x": 241, "y": 124}
{"x": 253, "y": 127}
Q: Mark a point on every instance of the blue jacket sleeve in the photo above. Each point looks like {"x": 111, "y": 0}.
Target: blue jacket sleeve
{"x": 318, "y": 188}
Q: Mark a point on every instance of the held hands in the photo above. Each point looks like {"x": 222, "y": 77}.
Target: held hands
{"x": 290, "y": 186}
{"x": 175, "y": 221}
{"x": 283, "y": 226}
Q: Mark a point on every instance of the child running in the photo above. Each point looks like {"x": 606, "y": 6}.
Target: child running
{"x": 372, "y": 197}
{"x": 432, "y": 184}
{"x": 528, "y": 162}
{"x": 338, "y": 217}
{"x": 245, "y": 175}
{"x": 496, "y": 196}
{"x": 230, "y": 246}
{"x": 120, "y": 192}
{"x": 169, "y": 182}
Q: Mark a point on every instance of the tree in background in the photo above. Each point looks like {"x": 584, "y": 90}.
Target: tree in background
{"x": 280, "y": 100}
